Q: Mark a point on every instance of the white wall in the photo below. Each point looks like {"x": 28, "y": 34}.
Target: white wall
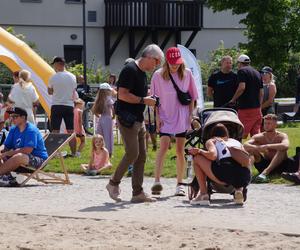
{"x": 50, "y": 24}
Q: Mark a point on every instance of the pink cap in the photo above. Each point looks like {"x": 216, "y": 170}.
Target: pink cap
{"x": 173, "y": 56}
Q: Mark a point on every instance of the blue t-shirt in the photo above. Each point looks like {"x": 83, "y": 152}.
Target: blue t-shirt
{"x": 30, "y": 137}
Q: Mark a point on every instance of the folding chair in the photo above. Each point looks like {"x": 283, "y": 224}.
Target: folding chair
{"x": 53, "y": 143}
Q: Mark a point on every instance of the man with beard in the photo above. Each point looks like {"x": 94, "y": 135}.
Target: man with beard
{"x": 269, "y": 149}
{"x": 222, "y": 84}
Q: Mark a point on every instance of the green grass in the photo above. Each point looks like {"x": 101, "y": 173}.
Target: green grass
{"x": 73, "y": 164}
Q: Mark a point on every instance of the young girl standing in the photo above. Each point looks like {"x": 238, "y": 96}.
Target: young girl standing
{"x": 78, "y": 126}
{"x": 173, "y": 118}
{"x": 103, "y": 108}
{"x": 99, "y": 159}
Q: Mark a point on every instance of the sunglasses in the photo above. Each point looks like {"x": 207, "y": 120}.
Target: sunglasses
{"x": 14, "y": 116}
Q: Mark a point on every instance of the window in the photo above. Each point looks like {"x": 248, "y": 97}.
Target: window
{"x": 92, "y": 16}
{"x": 30, "y": 1}
{"x": 73, "y": 53}
{"x": 73, "y": 1}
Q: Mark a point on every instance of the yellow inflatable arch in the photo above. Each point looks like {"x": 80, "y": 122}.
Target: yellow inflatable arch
{"x": 16, "y": 55}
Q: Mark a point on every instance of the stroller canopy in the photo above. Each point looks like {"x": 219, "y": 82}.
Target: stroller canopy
{"x": 227, "y": 117}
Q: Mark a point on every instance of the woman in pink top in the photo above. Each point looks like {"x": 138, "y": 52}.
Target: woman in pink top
{"x": 99, "y": 159}
{"x": 173, "y": 118}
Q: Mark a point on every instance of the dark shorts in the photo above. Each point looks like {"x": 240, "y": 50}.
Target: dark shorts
{"x": 180, "y": 135}
{"x": 35, "y": 161}
{"x": 230, "y": 172}
{"x": 59, "y": 112}
{"x": 289, "y": 165}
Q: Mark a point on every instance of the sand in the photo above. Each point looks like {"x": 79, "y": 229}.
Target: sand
{"x": 81, "y": 216}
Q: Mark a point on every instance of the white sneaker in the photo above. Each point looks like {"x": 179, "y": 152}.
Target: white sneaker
{"x": 114, "y": 192}
{"x": 180, "y": 190}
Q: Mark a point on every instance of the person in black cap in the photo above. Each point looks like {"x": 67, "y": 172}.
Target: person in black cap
{"x": 62, "y": 87}
{"x": 269, "y": 86}
{"x": 24, "y": 145}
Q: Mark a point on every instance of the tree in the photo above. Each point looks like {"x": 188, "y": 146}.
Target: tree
{"x": 273, "y": 28}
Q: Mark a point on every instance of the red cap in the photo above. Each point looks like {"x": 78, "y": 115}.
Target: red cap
{"x": 173, "y": 56}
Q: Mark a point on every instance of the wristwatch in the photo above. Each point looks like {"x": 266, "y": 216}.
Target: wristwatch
{"x": 142, "y": 100}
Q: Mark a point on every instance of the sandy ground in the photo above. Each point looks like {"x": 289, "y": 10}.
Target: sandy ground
{"x": 81, "y": 216}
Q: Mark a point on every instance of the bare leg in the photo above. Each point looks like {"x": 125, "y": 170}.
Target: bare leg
{"x": 202, "y": 168}
{"x": 275, "y": 162}
{"x": 164, "y": 145}
{"x": 180, "y": 160}
{"x": 72, "y": 143}
{"x": 82, "y": 143}
{"x": 84, "y": 167}
{"x": 13, "y": 163}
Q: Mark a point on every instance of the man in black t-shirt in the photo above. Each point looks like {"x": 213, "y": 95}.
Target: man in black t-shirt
{"x": 132, "y": 98}
{"x": 249, "y": 96}
{"x": 222, "y": 84}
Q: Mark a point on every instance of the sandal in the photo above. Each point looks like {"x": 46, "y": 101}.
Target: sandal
{"x": 201, "y": 199}
{"x": 238, "y": 197}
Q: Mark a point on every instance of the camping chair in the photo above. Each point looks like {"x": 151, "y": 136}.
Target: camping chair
{"x": 54, "y": 143}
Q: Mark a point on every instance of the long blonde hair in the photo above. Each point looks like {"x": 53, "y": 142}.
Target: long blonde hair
{"x": 95, "y": 137}
{"x": 24, "y": 78}
{"x": 99, "y": 105}
{"x": 166, "y": 70}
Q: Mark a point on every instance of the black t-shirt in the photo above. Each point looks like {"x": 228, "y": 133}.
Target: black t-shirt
{"x": 83, "y": 91}
{"x": 251, "y": 96}
{"x": 83, "y": 88}
{"x": 224, "y": 87}
{"x": 134, "y": 79}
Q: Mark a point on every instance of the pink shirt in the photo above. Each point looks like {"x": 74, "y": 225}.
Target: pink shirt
{"x": 78, "y": 128}
{"x": 172, "y": 113}
{"x": 101, "y": 159}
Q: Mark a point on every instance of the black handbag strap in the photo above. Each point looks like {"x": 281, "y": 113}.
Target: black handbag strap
{"x": 154, "y": 117}
{"x": 174, "y": 84}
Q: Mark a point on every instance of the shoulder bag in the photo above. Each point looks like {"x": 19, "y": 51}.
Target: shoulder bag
{"x": 183, "y": 97}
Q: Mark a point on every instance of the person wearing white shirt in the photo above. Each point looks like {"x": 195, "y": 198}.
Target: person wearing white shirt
{"x": 24, "y": 95}
{"x": 62, "y": 86}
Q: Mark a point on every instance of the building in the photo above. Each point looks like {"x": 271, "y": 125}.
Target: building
{"x": 55, "y": 26}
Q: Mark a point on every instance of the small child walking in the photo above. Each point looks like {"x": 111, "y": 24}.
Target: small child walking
{"x": 78, "y": 126}
{"x": 99, "y": 158}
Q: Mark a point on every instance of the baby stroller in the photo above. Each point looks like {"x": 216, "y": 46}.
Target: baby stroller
{"x": 207, "y": 119}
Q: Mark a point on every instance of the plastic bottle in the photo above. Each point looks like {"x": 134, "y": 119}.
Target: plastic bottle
{"x": 189, "y": 169}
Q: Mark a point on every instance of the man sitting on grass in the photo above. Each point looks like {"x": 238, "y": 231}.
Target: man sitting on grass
{"x": 269, "y": 149}
{"x": 24, "y": 145}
